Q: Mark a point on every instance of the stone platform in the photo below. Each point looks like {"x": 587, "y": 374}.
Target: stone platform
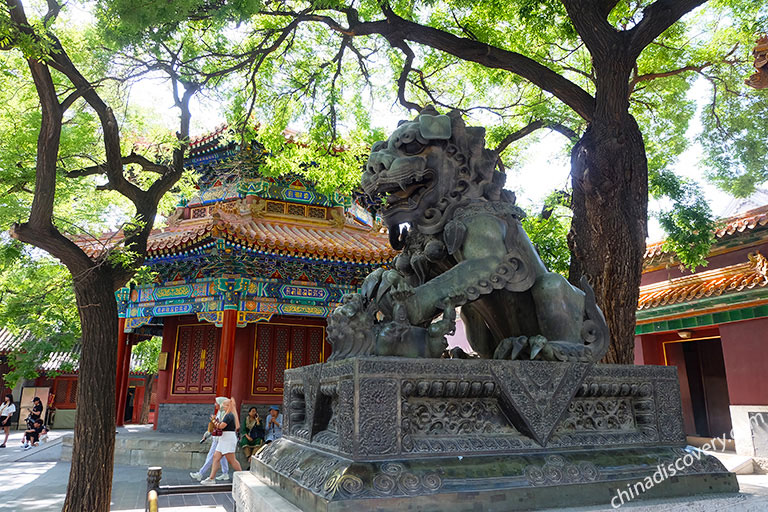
{"x": 381, "y": 433}
{"x": 142, "y": 446}
{"x": 152, "y": 449}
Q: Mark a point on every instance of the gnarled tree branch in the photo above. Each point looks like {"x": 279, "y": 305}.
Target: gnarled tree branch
{"x": 132, "y": 158}
{"x": 657, "y": 18}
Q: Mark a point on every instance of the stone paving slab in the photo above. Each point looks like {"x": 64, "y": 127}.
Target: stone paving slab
{"x": 13, "y": 452}
{"x": 753, "y": 497}
{"x": 41, "y": 487}
{"x": 35, "y": 480}
{"x": 201, "y": 508}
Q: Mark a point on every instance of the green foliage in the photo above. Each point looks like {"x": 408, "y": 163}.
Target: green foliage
{"x": 734, "y": 136}
{"x": 126, "y": 22}
{"x": 148, "y": 352}
{"x": 734, "y": 129}
{"x": 688, "y": 221}
{"x": 550, "y": 237}
{"x": 548, "y": 232}
{"x": 36, "y": 297}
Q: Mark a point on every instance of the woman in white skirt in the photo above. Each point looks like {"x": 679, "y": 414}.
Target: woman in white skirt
{"x": 203, "y": 472}
{"x": 227, "y": 442}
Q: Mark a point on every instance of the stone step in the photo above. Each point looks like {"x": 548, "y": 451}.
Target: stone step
{"x": 250, "y": 493}
{"x": 739, "y": 464}
{"x": 716, "y": 442}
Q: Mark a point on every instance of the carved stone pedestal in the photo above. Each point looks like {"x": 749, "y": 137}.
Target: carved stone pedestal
{"x": 428, "y": 434}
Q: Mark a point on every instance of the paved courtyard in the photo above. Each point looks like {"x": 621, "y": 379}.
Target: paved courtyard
{"x": 35, "y": 480}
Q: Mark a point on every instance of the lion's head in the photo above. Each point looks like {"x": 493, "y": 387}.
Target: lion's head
{"x": 428, "y": 167}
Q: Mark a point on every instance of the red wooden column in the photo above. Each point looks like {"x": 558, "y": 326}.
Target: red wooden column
{"x": 125, "y": 371}
{"x": 122, "y": 341}
{"x": 226, "y": 359}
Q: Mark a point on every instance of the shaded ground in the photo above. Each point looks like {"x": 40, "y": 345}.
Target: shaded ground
{"x": 35, "y": 480}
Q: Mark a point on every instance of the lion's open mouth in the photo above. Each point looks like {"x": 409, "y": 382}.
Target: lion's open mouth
{"x": 405, "y": 195}
{"x": 413, "y": 191}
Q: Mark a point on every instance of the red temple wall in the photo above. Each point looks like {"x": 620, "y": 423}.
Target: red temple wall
{"x": 664, "y": 348}
{"x": 745, "y": 352}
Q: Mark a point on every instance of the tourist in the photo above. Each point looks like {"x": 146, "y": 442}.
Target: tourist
{"x": 6, "y": 413}
{"x": 32, "y": 435}
{"x": 36, "y": 412}
{"x": 251, "y": 433}
{"x": 228, "y": 442}
{"x": 274, "y": 425}
{"x": 219, "y": 413}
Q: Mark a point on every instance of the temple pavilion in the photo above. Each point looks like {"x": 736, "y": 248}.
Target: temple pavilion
{"x": 711, "y": 324}
{"x": 247, "y": 272}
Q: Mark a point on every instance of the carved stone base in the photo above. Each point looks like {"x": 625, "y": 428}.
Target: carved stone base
{"x": 425, "y": 434}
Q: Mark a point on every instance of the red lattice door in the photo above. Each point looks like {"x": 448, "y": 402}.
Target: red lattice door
{"x": 283, "y": 346}
{"x": 306, "y": 346}
{"x": 196, "y": 352}
{"x": 282, "y": 335}
{"x": 315, "y": 340}
{"x": 65, "y": 393}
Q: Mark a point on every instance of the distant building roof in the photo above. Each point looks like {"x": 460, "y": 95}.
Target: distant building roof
{"x": 284, "y": 215}
{"x": 271, "y": 230}
{"x": 10, "y": 342}
{"x": 711, "y": 283}
{"x": 733, "y": 226}
{"x": 740, "y": 205}
{"x": 64, "y": 361}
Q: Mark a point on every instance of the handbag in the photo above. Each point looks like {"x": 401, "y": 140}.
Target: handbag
{"x": 216, "y": 432}
{"x": 257, "y": 432}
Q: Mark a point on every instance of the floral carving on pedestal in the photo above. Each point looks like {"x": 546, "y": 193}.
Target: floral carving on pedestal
{"x": 599, "y": 414}
{"x": 378, "y": 426}
{"x": 557, "y": 470}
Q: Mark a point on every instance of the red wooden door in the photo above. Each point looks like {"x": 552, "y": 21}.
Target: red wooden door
{"x": 197, "y": 349}
{"x": 138, "y": 402}
{"x": 282, "y": 336}
{"x": 281, "y": 346}
{"x": 306, "y": 346}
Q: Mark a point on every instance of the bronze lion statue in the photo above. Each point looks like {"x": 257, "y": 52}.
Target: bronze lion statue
{"x": 438, "y": 192}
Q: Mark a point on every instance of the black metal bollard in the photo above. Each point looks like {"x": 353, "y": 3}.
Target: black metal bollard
{"x": 154, "y": 475}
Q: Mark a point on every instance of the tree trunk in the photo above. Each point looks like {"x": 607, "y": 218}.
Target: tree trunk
{"x": 90, "y": 478}
{"x": 609, "y": 172}
{"x": 148, "y": 382}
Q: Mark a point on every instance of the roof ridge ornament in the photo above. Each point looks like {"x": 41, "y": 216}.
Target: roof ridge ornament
{"x": 759, "y": 262}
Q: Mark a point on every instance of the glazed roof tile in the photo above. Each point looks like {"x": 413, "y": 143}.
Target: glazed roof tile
{"x": 347, "y": 243}
{"x": 740, "y": 223}
{"x": 752, "y": 274}
{"x": 10, "y": 342}
{"x": 270, "y": 234}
